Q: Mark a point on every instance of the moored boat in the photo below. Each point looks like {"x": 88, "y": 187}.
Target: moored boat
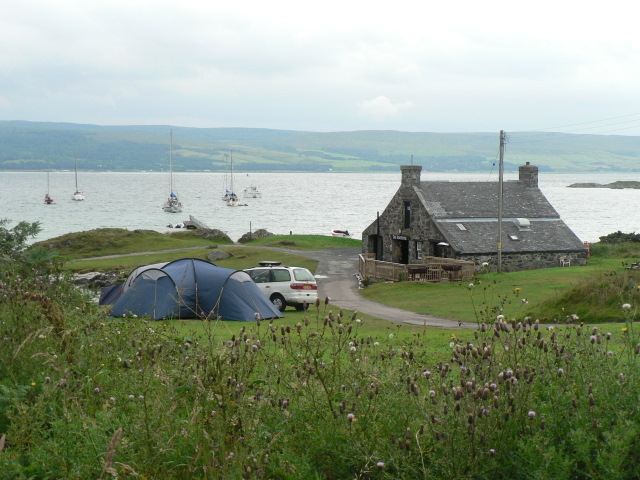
{"x": 77, "y": 195}
{"x": 252, "y": 192}
{"x": 173, "y": 203}
{"x": 47, "y": 198}
{"x": 232, "y": 198}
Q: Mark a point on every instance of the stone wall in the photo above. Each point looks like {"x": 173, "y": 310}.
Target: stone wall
{"x": 421, "y": 228}
{"x": 513, "y": 262}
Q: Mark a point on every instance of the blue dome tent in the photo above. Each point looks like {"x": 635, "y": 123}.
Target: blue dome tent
{"x": 189, "y": 288}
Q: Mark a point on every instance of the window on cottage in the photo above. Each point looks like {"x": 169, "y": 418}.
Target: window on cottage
{"x": 514, "y": 237}
{"x": 407, "y": 214}
{"x": 418, "y": 250}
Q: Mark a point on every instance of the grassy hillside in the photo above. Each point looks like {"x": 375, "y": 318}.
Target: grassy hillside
{"x": 37, "y": 146}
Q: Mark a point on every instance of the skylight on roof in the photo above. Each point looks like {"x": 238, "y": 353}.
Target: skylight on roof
{"x": 514, "y": 237}
{"x": 523, "y": 223}
{"x": 461, "y": 227}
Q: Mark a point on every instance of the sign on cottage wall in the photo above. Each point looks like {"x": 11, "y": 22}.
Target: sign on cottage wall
{"x": 400, "y": 237}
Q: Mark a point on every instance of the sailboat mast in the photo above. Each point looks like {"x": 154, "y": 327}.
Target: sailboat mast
{"x": 171, "y": 160}
{"x": 231, "y": 184}
{"x": 76, "y": 167}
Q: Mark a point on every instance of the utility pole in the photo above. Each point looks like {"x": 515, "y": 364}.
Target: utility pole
{"x": 500, "y": 192}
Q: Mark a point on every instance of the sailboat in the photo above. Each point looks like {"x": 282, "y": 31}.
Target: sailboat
{"x": 47, "y": 198}
{"x": 78, "y": 195}
{"x": 227, "y": 192}
{"x": 233, "y": 200}
{"x": 173, "y": 204}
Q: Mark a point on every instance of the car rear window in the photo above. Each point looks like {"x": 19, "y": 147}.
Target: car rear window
{"x": 303, "y": 275}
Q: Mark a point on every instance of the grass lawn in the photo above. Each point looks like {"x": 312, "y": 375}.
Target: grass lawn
{"x": 436, "y": 340}
{"x": 113, "y": 241}
{"x": 515, "y": 294}
{"x": 241, "y": 257}
{"x": 305, "y": 242}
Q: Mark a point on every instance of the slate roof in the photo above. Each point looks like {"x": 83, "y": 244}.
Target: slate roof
{"x": 474, "y": 205}
{"x": 480, "y": 200}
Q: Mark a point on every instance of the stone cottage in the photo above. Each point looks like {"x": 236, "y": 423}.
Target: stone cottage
{"x": 460, "y": 220}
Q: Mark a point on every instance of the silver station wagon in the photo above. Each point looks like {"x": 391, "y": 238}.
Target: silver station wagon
{"x": 284, "y": 285}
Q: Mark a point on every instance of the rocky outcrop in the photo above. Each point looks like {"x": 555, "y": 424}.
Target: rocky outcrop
{"x": 260, "y": 233}
{"x": 215, "y": 234}
{"x": 216, "y": 255}
{"x": 614, "y": 185}
{"x": 95, "y": 279}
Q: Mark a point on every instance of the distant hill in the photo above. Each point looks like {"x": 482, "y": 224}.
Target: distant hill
{"x": 38, "y": 146}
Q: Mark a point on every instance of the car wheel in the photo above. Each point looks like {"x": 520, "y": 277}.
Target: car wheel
{"x": 278, "y": 302}
{"x": 302, "y": 306}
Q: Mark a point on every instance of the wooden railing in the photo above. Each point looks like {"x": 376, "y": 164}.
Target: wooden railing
{"x": 433, "y": 269}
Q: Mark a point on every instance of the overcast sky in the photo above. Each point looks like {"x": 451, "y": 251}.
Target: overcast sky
{"x": 422, "y": 66}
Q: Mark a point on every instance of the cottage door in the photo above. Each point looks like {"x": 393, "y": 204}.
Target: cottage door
{"x": 375, "y": 246}
{"x": 401, "y": 251}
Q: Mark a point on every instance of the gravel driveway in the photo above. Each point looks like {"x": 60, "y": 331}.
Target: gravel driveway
{"x": 336, "y": 276}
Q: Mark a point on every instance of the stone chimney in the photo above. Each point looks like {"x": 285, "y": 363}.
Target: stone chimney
{"x": 528, "y": 174}
{"x": 410, "y": 175}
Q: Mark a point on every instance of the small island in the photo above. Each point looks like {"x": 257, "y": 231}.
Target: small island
{"x": 617, "y": 185}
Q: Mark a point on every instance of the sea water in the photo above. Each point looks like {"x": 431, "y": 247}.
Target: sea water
{"x": 298, "y": 203}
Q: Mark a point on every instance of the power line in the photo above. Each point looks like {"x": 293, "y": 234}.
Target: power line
{"x": 584, "y": 123}
{"x": 538, "y": 135}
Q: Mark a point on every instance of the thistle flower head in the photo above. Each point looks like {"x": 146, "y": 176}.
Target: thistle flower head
{"x": 626, "y": 306}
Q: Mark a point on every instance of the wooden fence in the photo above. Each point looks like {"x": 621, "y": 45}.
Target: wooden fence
{"x": 432, "y": 269}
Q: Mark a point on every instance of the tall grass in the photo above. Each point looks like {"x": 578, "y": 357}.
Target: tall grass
{"x": 87, "y": 396}
{"x": 91, "y": 397}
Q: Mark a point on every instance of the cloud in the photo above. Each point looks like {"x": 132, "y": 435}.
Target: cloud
{"x": 381, "y": 108}
{"x": 335, "y": 65}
